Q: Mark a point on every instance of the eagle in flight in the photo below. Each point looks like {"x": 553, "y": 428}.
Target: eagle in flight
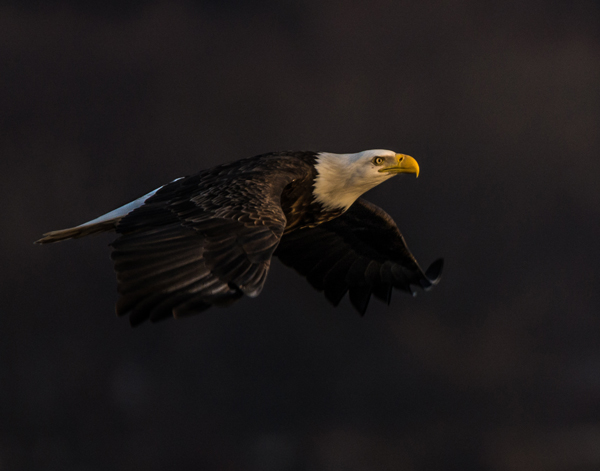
{"x": 208, "y": 239}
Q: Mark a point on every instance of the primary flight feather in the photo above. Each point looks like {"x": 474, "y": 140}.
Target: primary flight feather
{"x": 208, "y": 239}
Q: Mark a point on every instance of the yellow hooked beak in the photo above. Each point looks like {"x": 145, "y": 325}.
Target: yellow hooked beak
{"x": 405, "y": 164}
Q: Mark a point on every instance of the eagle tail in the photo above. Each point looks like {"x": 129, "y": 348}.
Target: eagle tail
{"x": 106, "y": 222}
{"x": 78, "y": 231}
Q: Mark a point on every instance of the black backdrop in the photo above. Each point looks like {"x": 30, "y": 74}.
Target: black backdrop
{"x": 497, "y": 368}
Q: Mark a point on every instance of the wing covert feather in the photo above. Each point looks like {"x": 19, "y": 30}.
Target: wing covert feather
{"x": 202, "y": 240}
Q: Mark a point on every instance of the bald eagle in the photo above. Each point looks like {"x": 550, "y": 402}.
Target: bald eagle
{"x": 208, "y": 239}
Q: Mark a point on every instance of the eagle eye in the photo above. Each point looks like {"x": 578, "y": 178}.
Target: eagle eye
{"x": 378, "y": 160}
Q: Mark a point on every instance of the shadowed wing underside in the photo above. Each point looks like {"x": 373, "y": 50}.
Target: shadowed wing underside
{"x": 362, "y": 252}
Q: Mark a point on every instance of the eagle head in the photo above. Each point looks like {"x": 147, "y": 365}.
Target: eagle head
{"x": 342, "y": 178}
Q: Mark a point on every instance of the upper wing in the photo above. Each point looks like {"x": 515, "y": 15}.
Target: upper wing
{"x": 361, "y": 252}
{"x": 199, "y": 241}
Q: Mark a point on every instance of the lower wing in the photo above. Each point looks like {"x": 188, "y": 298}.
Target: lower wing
{"x": 361, "y": 252}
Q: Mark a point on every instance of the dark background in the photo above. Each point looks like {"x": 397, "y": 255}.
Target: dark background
{"x": 496, "y": 368}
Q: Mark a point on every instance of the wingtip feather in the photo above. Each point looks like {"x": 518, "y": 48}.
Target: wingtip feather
{"x": 434, "y": 272}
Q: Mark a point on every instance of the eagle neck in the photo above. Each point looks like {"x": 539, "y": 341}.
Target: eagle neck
{"x": 334, "y": 185}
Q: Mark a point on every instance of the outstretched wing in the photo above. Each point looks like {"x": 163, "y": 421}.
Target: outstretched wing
{"x": 361, "y": 252}
{"x": 200, "y": 241}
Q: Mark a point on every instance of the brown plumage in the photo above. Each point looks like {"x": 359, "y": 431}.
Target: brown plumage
{"x": 208, "y": 239}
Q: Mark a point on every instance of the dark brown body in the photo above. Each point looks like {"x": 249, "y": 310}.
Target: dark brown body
{"x": 208, "y": 239}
